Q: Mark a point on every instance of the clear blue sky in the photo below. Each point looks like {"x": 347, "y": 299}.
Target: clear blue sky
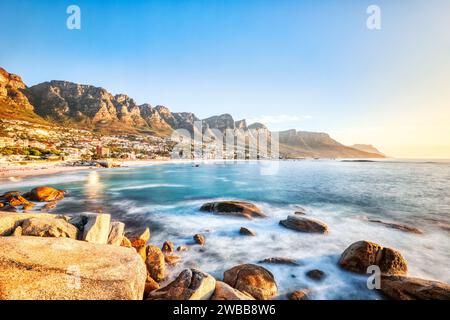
{"x": 310, "y": 65}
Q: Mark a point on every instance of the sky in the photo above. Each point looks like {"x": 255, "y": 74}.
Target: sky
{"x": 307, "y": 65}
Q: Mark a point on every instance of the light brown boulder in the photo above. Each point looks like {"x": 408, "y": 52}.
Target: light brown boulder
{"x": 302, "y": 294}
{"x": 252, "y": 279}
{"x": 302, "y": 224}
{"x": 172, "y": 260}
{"x": 96, "y": 229}
{"x": 150, "y": 285}
{"x": 200, "y": 239}
{"x": 362, "y": 254}
{"x": 139, "y": 234}
{"x": 9, "y": 221}
{"x": 225, "y": 292}
{"x": 116, "y": 230}
{"x": 167, "y": 247}
{"x": 155, "y": 263}
{"x": 49, "y": 227}
{"x": 45, "y": 194}
{"x": 182, "y": 248}
{"x": 17, "y": 232}
{"x": 17, "y": 201}
{"x": 236, "y": 208}
{"x": 406, "y": 288}
{"x": 191, "y": 284}
{"x": 35, "y": 268}
{"x": 126, "y": 243}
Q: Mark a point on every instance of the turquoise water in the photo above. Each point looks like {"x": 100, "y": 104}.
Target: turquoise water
{"x": 167, "y": 197}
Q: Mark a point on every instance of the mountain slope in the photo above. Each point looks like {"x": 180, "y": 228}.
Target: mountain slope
{"x": 367, "y": 148}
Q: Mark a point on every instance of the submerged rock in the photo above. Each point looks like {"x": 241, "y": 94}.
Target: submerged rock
{"x": 45, "y": 194}
{"x": 302, "y": 294}
{"x": 362, "y": 254}
{"x": 172, "y": 260}
{"x": 224, "y": 292}
{"x": 167, "y": 247}
{"x": 139, "y": 234}
{"x": 398, "y": 226}
{"x": 280, "y": 260}
{"x": 252, "y": 279}
{"x": 182, "y": 248}
{"x": 49, "y": 227}
{"x": 34, "y": 268}
{"x": 155, "y": 263}
{"x": 303, "y": 224}
{"x": 191, "y": 284}
{"x": 200, "y": 239}
{"x": 96, "y": 229}
{"x": 246, "y": 232}
{"x": 406, "y": 288}
{"x": 235, "y": 208}
{"x": 316, "y": 274}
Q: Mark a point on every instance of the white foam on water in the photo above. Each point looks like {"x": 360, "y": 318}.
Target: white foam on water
{"x": 148, "y": 186}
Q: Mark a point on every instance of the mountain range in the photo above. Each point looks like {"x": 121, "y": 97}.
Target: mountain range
{"x": 94, "y": 108}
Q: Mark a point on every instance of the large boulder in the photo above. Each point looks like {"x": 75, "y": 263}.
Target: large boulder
{"x": 49, "y": 227}
{"x": 139, "y": 235}
{"x": 362, "y": 254}
{"x": 252, "y": 279}
{"x": 45, "y": 194}
{"x": 225, "y": 292}
{"x": 406, "y": 288}
{"x": 235, "y": 208}
{"x": 302, "y": 224}
{"x": 65, "y": 269}
{"x": 10, "y": 221}
{"x": 97, "y": 228}
{"x": 191, "y": 284}
{"x": 155, "y": 263}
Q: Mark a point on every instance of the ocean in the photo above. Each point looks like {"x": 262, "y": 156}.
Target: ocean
{"x": 167, "y": 198}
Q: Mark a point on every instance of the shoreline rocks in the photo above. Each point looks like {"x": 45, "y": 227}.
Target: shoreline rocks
{"x": 398, "y": 226}
{"x": 302, "y": 294}
{"x": 45, "y": 194}
{"x": 302, "y": 224}
{"x": 97, "y": 228}
{"x": 407, "y": 288}
{"x": 155, "y": 263}
{"x": 234, "y": 208}
{"x": 246, "y": 232}
{"x": 199, "y": 239}
{"x": 225, "y": 292}
{"x": 280, "y": 260}
{"x": 49, "y": 227}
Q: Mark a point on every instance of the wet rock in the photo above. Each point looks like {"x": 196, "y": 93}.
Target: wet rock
{"x": 246, "y": 232}
{"x": 235, "y": 208}
{"x": 96, "y": 229}
{"x": 191, "y": 284}
{"x": 116, "y": 230}
{"x": 10, "y": 221}
{"x": 200, "y": 239}
{"x": 167, "y": 247}
{"x": 79, "y": 221}
{"x": 142, "y": 234}
{"x": 280, "y": 260}
{"x": 10, "y": 194}
{"x": 29, "y": 206}
{"x": 16, "y": 201}
{"x": 300, "y": 211}
{"x": 362, "y": 254}
{"x": 126, "y": 242}
{"x": 182, "y": 248}
{"x": 316, "y": 274}
{"x": 172, "y": 260}
{"x": 150, "y": 285}
{"x": 303, "y": 224}
{"x": 8, "y": 208}
{"x": 302, "y": 294}
{"x": 407, "y": 288}
{"x": 49, "y": 206}
{"x": 252, "y": 279}
{"x": 34, "y": 268}
{"x": 155, "y": 263}
{"x": 398, "y": 226}
{"x": 49, "y": 227}
{"x": 45, "y": 194}
{"x": 224, "y": 292}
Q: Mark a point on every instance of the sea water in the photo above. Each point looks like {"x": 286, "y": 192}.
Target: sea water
{"x": 167, "y": 198}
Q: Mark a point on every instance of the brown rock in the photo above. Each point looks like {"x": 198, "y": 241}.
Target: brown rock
{"x": 45, "y": 194}
{"x": 224, "y": 292}
{"x": 17, "y": 232}
{"x": 29, "y": 206}
{"x": 316, "y": 274}
{"x": 10, "y": 221}
{"x": 246, "y": 232}
{"x": 126, "y": 243}
{"x": 150, "y": 285}
{"x": 96, "y": 229}
{"x": 406, "y": 288}
{"x": 191, "y": 284}
{"x": 362, "y": 254}
{"x": 182, "y": 248}
{"x": 116, "y": 230}
{"x": 16, "y": 201}
{"x": 155, "y": 263}
{"x": 167, "y": 247}
{"x": 303, "y": 224}
{"x": 139, "y": 234}
{"x": 49, "y": 206}
{"x": 302, "y": 294}
{"x": 200, "y": 239}
{"x": 34, "y": 268}
{"x": 142, "y": 252}
{"x": 280, "y": 260}
{"x": 252, "y": 279}
{"x": 237, "y": 208}
{"x": 398, "y": 226}
{"x": 172, "y": 260}
{"x": 10, "y": 194}
{"x": 49, "y": 227}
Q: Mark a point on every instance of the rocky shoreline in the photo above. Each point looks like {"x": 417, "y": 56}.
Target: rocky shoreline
{"x": 51, "y": 256}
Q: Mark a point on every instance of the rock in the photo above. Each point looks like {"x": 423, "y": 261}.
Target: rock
{"x": 45, "y": 194}
{"x": 10, "y": 194}
{"x": 126, "y": 243}
{"x": 10, "y": 221}
{"x": 362, "y": 254}
{"x": 407, "y": 288}
{"x": 303, "y": 224}
{"x": 200, "y": 239}
{"x": 252, "y": 279}
{"x": 16, "y": 201}
{"x": 182, "y": 248}
{"x": 167, "y": 247}
{"x": 2, "y": 204}
{"x": 29, "y": 206}
{"x": 49, "y": 227}
{"x": 280, "y": 260}
{"x": 150, "y": 285}
{"x": 155, "y": 263}
{"x": 224, "y": 292}
{"x": 172, "y": 260}
{"x": 142, "y": 234}
{"x": 300, "y": 211}
{"x": 236, "y": 208}
{"x": 79, "y": 221}
{"x": 316, "y": 274}
{"x": 142, "y": 251}
{"x": 398, "y": 226}
{"x": 96, "y": 229}
{"x": 48, "y": 206}
{"x": 191, "y": 284}
{"x": 17, "y": 232}
{"x": 302, "y": 294}
{"x": 116, "y": 230}
{"x": 8, "y": 208}
{"x": 34, "y": 268}
{"x": 246, "y": 232}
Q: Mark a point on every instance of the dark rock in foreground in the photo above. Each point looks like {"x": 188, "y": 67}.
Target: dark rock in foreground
{"x": 406, "y": 288}
{"x": 235, "y": 208}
